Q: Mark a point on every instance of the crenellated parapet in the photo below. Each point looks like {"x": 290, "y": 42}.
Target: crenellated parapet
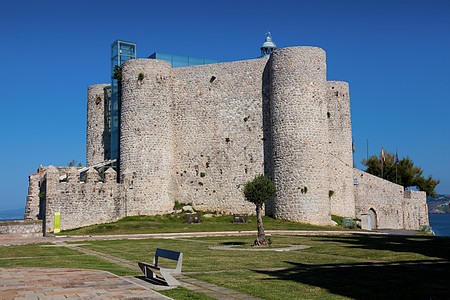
{"x": 81, "y": 199}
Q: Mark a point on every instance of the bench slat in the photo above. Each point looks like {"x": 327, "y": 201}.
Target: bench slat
{"x": 167, "y": 254}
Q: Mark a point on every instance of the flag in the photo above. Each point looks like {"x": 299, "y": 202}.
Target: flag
{"x": 383, "y": 159}
{"x": 353, "y": 145}
{"x": 396, "y": 157}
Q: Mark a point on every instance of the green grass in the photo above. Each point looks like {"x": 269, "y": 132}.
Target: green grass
{"x": 34, "y": 255}
{"x": 197, "y": 257}
{"x": 334, "y": 267}
{"x": 175, "y": 223}
{"x": 182, "y": 293}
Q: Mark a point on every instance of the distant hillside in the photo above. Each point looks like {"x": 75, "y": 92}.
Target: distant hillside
{"x": 439, "y": 204}
{"x": 12, "y": 214}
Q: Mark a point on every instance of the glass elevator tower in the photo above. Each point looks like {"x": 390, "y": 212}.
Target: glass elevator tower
{"x": 121, "y": 51}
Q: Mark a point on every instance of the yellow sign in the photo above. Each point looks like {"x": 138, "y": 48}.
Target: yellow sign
{"x": 56, "y": 226}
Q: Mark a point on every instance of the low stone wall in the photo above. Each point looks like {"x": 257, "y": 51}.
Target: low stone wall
{"x": 416, "y": 209}
{"x": 20, "y": 227}
{"x": 393, "y": 206}
{"x": 81, "y": 203}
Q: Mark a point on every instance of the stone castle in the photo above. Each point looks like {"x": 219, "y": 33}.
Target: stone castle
{"x": 198, "y": 134}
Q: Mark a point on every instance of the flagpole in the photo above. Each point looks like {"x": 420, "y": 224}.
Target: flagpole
{"x": 367, "y": 150}
{"x": 396, "y": 163}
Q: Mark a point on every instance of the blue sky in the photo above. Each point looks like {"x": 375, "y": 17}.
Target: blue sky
{"x": 394, "y": 54}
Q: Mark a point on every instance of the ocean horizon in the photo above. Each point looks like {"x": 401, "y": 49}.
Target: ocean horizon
{"x": 440, "y": 223}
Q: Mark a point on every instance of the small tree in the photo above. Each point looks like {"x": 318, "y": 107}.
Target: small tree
{"x": 73, "y": 163}
{"x": 259, "y": 191}
{"x": 405, "y": 173}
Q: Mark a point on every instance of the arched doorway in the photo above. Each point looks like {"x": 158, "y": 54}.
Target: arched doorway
{"x": 372, "y": 219}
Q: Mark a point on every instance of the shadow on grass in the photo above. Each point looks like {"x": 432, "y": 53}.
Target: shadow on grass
{"x": 413, "y": 280}
{"x": 234, "y": 243}
{"x": 409, "y": 279}
{"x": 430, "y": 246}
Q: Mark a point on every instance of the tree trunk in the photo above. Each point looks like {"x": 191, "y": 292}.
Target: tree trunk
{"x": 261, "y": 239}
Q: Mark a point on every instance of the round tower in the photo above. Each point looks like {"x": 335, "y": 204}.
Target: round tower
{"x": 268, "y": 47}
{"x": 96, "y": 131}
{"x": 146, "y": 142}
{"x": 340, "y": 149}
{"x": 299, "y": 134}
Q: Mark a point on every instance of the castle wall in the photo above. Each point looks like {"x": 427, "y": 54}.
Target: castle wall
{"x": 81, "y": 203}
{"x": 394, "y": 207}
{"x": 35, "y": 187}
{"x": 384, "y": 197}
{"x": 340, "y": 156}
{"x": 218, "y": 133}
{"x": 97, "y": 131}
{"x": 415, "y": 209}
{"x": 299, "y": 135}
{"x": 198, "y": 134}
{"x": 146, "y": 136}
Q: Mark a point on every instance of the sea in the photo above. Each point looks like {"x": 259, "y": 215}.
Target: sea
{"x": 440, "y": 223}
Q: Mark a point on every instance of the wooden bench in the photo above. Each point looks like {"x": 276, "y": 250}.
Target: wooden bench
{"x": 149, "y": 269}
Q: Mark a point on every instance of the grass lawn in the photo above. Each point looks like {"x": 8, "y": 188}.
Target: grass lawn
{"x": 334, "y": 267}
{"x": 35, "y": 255}
{"x": 182, "y": 293}
{"x": 175, "y": 223}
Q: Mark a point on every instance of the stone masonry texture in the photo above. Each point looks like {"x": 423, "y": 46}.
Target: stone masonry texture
{"x": 97, "y": 138}
{"x": 198, "y": 134}
{"x": 340, "y": 158}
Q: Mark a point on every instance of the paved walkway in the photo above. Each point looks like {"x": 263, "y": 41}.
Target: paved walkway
{"x": 52, "y": 283}
{"x": 19, "y": 239}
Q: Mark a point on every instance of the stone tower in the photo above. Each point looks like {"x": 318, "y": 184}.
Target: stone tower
{"x": 340, "y": 157}
{"x": 97, "y": 131}
{"x": 299, "y": 134}
{"x": 146, "y": 136}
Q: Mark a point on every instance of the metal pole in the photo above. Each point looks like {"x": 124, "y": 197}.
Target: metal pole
{"x": 396, "y": 164}
{"x": 367, "y": 150}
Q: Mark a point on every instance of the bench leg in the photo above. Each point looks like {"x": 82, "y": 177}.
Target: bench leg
{"x": 148, "y": 273}
{"x": 169, "y": 278}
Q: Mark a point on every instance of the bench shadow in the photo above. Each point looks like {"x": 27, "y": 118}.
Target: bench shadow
{"x": 156, "y": 281}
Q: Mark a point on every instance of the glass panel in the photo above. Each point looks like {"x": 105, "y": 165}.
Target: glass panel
{"x": 194, "y": 61}
{"x": 180, "y": 61}
{"x": 120, "y": 52}
{"x": 165, "y": 57}
{"x": 210, "y": 61}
